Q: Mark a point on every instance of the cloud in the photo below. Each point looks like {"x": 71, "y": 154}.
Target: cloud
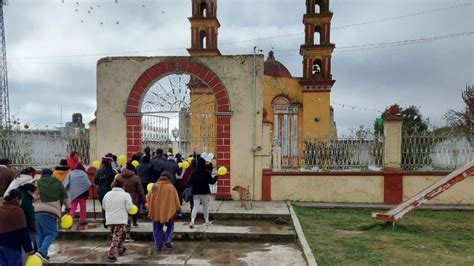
{"x": 429, "y": 75}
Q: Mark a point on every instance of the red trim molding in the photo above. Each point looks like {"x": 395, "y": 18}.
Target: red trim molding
{"x": 266, "y": 185}
{"x": 209, "y": 79}
{"x": 392, "y": 188}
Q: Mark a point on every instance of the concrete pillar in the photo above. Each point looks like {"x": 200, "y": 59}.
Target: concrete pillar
{"x": 267, "y": 146}
{"x": 175, "y": 147}
{"x": 93, "y": 141}
{"x": 393, "y": 140}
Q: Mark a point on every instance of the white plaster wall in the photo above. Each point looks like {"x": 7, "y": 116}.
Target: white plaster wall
{"x": 362, "y": 189}
{"x": 460, "y": 193}
{"x": 116, "y": 77}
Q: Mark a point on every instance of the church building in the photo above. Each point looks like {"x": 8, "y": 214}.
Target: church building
{"x": 297, "y": 107}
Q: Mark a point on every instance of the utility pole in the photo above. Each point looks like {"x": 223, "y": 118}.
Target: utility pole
{"x": 4, "y": 101}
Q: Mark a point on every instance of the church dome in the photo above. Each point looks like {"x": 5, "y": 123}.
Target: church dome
{"x": 272, "y": 67}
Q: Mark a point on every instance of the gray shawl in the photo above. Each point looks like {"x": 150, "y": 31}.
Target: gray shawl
{"x": 76, "y": 183}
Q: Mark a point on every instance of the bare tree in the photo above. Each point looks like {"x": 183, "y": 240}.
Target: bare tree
{"x": 463, "y": 118}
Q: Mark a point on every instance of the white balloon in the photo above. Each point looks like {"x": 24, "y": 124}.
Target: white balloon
{"x": 204, "y": 155}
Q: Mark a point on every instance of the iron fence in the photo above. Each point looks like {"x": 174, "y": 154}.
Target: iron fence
{"x": 351, "y": 153}
{"x": 445, "y": 149}
{"x": 41, "y": 148}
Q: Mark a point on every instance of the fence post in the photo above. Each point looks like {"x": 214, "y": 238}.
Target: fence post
{"x": 392, "y": 157}
{"x": 392, "y": 151}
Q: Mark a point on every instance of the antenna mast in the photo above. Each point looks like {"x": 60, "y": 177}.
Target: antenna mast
{"x": 4, "y": 101}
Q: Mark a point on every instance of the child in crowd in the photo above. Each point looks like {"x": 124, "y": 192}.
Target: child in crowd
{"x": 117, "y": 203}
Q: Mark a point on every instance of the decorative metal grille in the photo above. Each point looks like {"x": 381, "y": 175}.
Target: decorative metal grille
{"x": 169, "y": 94}
{"x": 438, "y": 150}
{"x": 40, "y": 149}
{"x": 347, "y": 153}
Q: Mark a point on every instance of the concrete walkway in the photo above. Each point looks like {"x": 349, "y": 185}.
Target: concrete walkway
{"x": 87, "y": 252}
{"x": 226, "y": 209}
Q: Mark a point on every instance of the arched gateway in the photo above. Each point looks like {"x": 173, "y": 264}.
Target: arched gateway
{"x": 206, "y": 77}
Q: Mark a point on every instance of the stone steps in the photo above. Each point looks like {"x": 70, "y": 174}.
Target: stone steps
{"x": 223, "y": 210}
{"x": 220, "y": 230}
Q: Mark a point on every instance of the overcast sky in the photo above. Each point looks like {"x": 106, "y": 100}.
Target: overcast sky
{"x": 52, "y": 50}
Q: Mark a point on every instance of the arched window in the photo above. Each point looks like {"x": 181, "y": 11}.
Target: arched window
{"x": 316, "y": 67}
{"x": 317, "y": 36}
{"x": 203, "y": 9}
{"x": 317, "y": 7}
{"x": 202, "y": 39}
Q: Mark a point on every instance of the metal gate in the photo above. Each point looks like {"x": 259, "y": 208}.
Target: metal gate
{"x": 179, "y": 109}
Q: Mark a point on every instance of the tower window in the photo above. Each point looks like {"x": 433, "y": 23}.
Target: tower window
{"x": 317, "y": 9}
{"x": 203, "y": 9}
{"x": 316, "y": 67}
{"x": 202, "y": 39}
{"x": 317, "y": 36}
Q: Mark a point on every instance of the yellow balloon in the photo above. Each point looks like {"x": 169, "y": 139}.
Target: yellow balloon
{"x": 190, "y": 159}
{"x": 122, "y": 160}
{"x": 222, "y": 170}
{"x": 180, "y": 165}
{"x": 135, "y": 163}
{"x": 66, "y": 221}
{"x": 33, "y": 260}
{"x": 134, "y": 210}
{"x": 185, "y": 164}
{"x": 96, "y": 164}
{"x": 149, "y": 187}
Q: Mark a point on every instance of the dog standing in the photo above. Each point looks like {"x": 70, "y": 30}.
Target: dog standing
{"x": 244, "y": 195}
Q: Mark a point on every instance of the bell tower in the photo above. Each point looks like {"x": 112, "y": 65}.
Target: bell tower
{"x": 317, "y": 48}
{"x": 204, "y": 28}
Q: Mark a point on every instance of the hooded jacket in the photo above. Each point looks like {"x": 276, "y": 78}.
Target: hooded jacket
{"x": 76, "y": 184}
{"x": 13, "y": 230}
{"x": 52, "y": 194}
{"x": 132, "y": 185}
{"x": 18, "y": 182}
{"x": 163, "y": 201}
{"x": 144, "y": 172}
{"x": 103, "y": 179}
{"x": 116, "y": 203}
{"x": 60, "y": 172}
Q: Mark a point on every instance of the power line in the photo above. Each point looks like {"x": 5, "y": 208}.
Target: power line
{"x": 248, "y": 40}
{"x": 372, "y": 46}
{"x": 401, "y": 17}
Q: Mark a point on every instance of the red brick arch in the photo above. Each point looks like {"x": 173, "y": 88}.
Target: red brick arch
{"x": 209, "y": 78}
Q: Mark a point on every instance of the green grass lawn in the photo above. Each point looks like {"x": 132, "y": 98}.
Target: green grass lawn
{"x": 352, "y": 237}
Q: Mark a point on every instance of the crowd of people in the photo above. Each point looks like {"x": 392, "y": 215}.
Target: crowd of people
{"x": 32, "y": 207}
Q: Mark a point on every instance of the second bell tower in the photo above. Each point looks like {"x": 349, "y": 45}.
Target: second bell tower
{"x": 317, "y": 48}
{"x": 204, "y": 28}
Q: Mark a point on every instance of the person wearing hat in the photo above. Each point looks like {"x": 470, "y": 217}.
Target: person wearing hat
{"x": 200, "y": 180}
{"x": 24, "y": 183}
{"x": 163, "y": 205}
{"x": 61, "y": 171}
{"x": 13, "y": 230}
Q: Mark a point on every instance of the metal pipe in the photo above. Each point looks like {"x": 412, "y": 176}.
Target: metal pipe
{"x": 254, "y": 120}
